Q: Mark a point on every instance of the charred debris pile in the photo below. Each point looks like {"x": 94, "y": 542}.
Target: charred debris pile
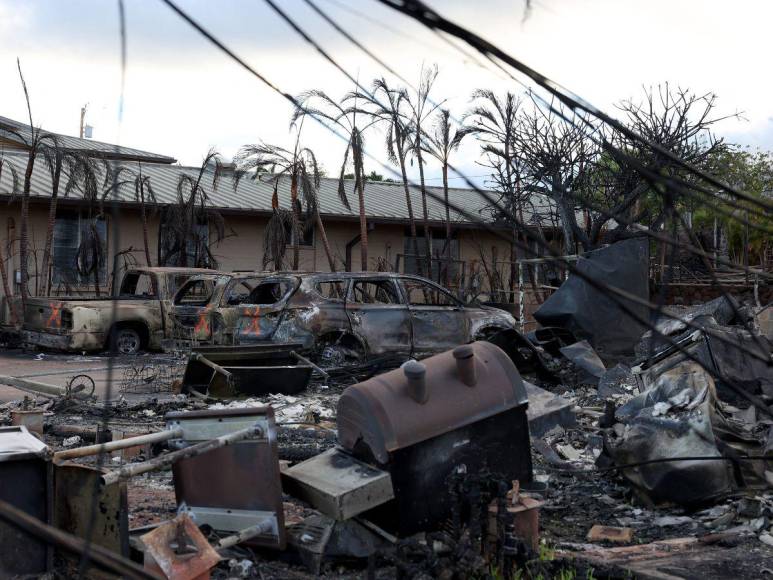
{"x": 589, "y": 447}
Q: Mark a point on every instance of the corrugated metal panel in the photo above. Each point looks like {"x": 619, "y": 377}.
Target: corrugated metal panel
{"x": 77, "y": 144}
{"x": 383, "y": 200}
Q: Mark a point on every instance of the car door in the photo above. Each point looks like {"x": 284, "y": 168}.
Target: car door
{"x": 193, "y": 310}
{"x": 437, "y": 318}
{"x": 378, "y": 314}
{"x": 253, "y": 307}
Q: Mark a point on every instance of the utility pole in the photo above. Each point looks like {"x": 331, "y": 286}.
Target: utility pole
{"x": 83, "y": 117}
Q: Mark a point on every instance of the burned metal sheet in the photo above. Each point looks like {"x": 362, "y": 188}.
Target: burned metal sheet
{"x": 179, "y": 550}
{"x": 675, "y": 418}
{"x": 74, "y": 489}
{"x": 582, "y": 355}
{"x": 339, "y": 485}
{"x": 593, "y": 314}
{"x": 246, "y": 370}
{"x": 236, "y": 486}
{"x": 25, "y": 483}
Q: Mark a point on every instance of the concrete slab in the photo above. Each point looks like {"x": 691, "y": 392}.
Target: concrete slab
{"x": 547, "y": 410}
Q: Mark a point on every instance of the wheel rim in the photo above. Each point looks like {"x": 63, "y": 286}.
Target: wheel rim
{"x": 128, "y": 342}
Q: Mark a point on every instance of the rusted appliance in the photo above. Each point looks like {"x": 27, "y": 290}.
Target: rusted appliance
{"x": 462, "y": 411}
{"x": 246, "y": 370}
{"x": 25, "y": 483}
{"x": 236, "y": 486}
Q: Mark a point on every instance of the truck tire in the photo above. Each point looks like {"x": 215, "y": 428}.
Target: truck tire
{"x": 126, "y": 340}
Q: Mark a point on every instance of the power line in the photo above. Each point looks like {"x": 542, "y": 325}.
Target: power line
{"x": 600, "y": 286}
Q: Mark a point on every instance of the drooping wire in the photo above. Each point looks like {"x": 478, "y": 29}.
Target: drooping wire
{"x": 618, "y": 296}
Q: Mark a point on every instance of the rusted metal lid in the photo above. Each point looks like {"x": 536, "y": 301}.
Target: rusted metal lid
{"x": 381, "y": 413}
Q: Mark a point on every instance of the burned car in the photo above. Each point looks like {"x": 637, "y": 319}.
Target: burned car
{"x": 339, "y": 317}
{"x": 135, "y": 319}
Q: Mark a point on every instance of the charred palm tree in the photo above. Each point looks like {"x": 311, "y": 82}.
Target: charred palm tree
{"x": 143, "y": 193}
{"x": 443, "y": 140}
{"x": 190, "y": 211}
{"x": 95, "y": 179}
{"x": 7, "y": 166}
{"x": 389, "y": 110}
{"x": 301, "y": 168}
{"x": 58, "y": 160}
{"x": 494, "y": 121}
{"x": 34, "y": 140}
{"x": 318, "y": 104}
{"x": 421, "y": 110}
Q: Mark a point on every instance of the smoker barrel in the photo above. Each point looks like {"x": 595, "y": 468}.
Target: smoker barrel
{"x": 465, "y": 413}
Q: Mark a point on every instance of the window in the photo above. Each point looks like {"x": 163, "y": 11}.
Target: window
{"x": 374, "y": 292}
{"x": 195, "y": 293}
{"x": 438, "y": 253}
{"x": 257, "y": 291}
{"x": 422, "y": 294}
{"x": 138, "y": 284}
{"x": 71, "y": 231}
{"x": 170, "y": 252}
{"x": 332, "y": 290}
{"x": 305, "y": 235}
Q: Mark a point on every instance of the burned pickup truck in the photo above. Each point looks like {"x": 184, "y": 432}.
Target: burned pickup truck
{"x": 136, "y": 319}
{"x": 339, "y": 317}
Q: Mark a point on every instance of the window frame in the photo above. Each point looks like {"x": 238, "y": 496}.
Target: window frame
{"x": 80, "y": 215}
{"x": 455, "y": 302}
{"x": 398, "y": 293}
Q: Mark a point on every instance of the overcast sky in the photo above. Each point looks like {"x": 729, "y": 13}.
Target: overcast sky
{"x": 182, "y": 96}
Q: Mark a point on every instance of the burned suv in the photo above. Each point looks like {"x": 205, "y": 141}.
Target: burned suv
{"x": 335, "y": 316}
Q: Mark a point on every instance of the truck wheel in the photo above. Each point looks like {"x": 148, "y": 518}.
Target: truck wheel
{"x": 126, "y": 341}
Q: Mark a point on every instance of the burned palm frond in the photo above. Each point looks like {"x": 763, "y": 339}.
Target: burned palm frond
{"x": 282, "y": 225}
{"x": 187, "y": 224}
{"x": 90, "y": 257}
{"x": 300, "y": 167}
{"x": 319, "y": 105}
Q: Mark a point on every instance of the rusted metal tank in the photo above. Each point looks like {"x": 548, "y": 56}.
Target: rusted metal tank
{"x": 462, "y": 411}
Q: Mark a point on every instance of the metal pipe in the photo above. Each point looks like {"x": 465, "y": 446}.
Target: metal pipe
{"x": 246, "y": 534}
{"x": 415, "y": 372}
{"x": 306, "y": 361}
{"x": 34, "y": 386}
{"x": 465, "y": 364}
{"x": 195, "y": 356}
{"x": 116, "y": 445}
{"x": 167, "y": 459}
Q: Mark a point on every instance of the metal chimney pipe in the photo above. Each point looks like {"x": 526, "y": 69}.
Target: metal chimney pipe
{"x": 415, "y": 373}
{"x": 465, "y": 364}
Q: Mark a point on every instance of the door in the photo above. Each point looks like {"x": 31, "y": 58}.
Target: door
{"x": 145, "y": 286}
{"x": 437, "y": 318}
{"x": 378, "y": 314}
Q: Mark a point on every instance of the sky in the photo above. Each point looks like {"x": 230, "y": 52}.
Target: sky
{"x": 182, "y": 96}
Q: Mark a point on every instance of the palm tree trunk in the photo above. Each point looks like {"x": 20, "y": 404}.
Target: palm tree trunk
{"x": 45, "y": 287}
{"x": 7, "y": 289}
{"x": 448, "y": 224}
{"x": 363, "y": 227}
{"x": 144, "y": 217}
{"x": 409, "y": 205}
{"x": 296, "y": 213}
{"x": 325, "y": 242}
{"x": 427, "y": 238}
{"x": 24, "y": 235}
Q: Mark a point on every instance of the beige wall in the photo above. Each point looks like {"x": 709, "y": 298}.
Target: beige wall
{"x": 242, "y": 249}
